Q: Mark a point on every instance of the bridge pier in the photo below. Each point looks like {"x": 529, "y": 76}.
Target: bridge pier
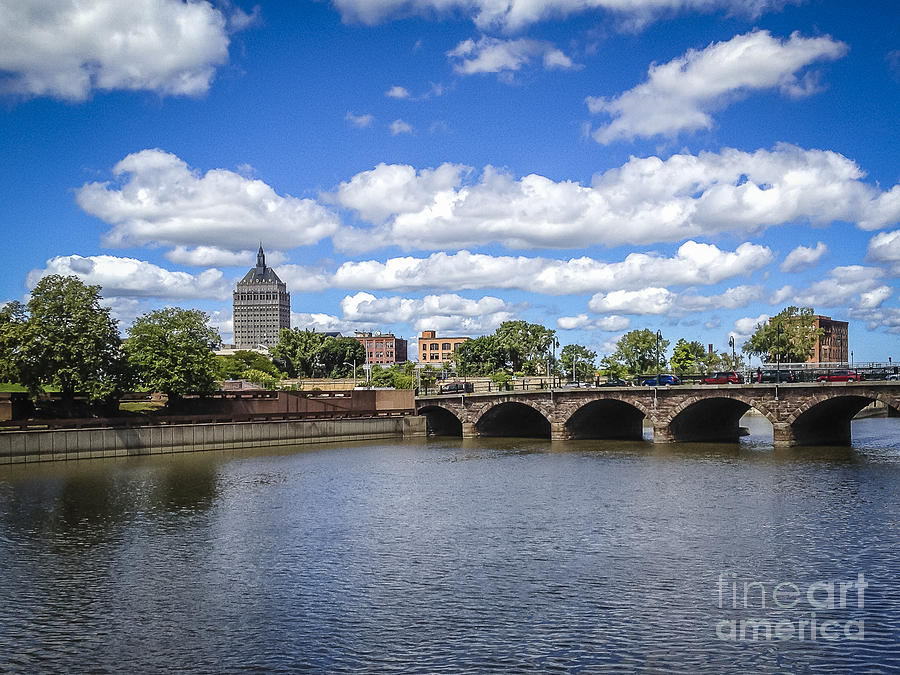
{"x": 558, "y": 431}
{"x": 469, "y": 430}
{"x": 662, "y": 434}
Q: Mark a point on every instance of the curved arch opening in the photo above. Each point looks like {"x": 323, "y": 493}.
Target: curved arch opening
{"x": 606, "y": 419}
{"x": 441, "y": 422}
{"x": 709, "y": 420}
{"x": 513, "y": 419}
{"x": 828, "y": 422}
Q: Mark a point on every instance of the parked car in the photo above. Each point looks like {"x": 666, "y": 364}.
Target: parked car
{"x": 840, "y": 376}
{"x": 615, "y": 382}
{"x": 730, "y": 377}
{"x": 665, "y": 380}
{"x": 457, "y": 388}
{"x": 775, "y": 376}
{"x": 893, "y": 376}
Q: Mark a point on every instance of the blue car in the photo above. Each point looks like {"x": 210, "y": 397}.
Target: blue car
{"x": 664, "y": 381}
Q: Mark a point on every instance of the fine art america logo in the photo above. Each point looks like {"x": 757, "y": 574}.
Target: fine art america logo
{"x": 821, "y": 610}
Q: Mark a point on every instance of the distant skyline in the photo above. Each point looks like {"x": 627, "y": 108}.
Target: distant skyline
{"x": 691, "y": 166}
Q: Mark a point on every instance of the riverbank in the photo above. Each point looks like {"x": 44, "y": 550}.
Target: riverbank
{"x": 73, "y": 444}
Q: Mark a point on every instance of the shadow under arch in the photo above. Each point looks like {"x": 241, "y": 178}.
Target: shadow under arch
{"x": 606, "y": 418}
{"x": 513, "y": 419}
{"x": 709, "y": 420}
{"x": 441, "y": 422}
{"x": 827, "y": 422}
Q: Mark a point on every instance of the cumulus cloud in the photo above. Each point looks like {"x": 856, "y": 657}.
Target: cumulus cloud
{"x": 158, "y": 199}
{"x": 693, "y": 264}
{"x": 129, "y": 277}
{"x": 646, "y": 200}
{"x": 854, "y": 285}
{"x": 397, "y": 92}
{"x": 492, "y": 55}
{"x": 885, "y": 248}
{"x": 745, "y": 327}
{"x": 213, "y": 256}
{"x": 68, "y": 49}
{"x": 662, "y": 301}
{"x": 398, "y": 126}
{"x": 361, "y": 121}
{"x": 611, "y": 324}
{"x": 681, "y": 95}
{"x": 300, "y": 278}
{"x": 447, "y": 312}
{"x": 803, "y": 257}
{"x": 322, "y": 323}
{"x": 514, "y": 15}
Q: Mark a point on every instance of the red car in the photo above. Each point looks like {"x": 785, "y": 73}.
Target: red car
{"x": 840, "y": 376}
{"x": 723, "y": 378}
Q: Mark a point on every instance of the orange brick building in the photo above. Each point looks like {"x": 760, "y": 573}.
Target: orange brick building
{"x": 438, "y": 351}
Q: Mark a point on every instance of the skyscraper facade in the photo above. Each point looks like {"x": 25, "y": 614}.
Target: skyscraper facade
{"x": 262, "y": 307}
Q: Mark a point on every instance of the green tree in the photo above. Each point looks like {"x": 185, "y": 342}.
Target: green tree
{"x": 583, "y": 360}
{"x": 526, "y": 345}
{"x": 482, "y": 356}
{"x": 12, "y": 325}
{"x": 790, "y": 336}
{"x": 687, "y": 357}
{"x": 336, "y": 353}
{"x": 636, "y": 350}
{"x": 68, "y": 341}
{"x": 300, "y": 351}
{"x": 611, "y": 367}
{"x": 171, "y": 350}
{"x": 234, "y": 366}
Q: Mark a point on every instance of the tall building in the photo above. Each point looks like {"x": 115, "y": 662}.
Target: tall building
{"x": 833, "y": 346}
{"x": 438, "y": 351}
{"x": 262, "y": 307}
{"x": 383, "y": 349}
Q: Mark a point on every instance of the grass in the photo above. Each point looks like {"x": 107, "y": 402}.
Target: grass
{"x": 10, "y": 387}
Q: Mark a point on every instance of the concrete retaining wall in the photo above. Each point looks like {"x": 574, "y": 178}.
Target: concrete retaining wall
{"x": 44, "y": 446}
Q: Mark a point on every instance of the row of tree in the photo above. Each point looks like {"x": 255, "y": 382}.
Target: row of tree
{"x": 64, "y": 339}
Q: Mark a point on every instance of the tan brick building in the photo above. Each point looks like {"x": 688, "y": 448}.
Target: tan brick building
{"x": 438, "y": 351}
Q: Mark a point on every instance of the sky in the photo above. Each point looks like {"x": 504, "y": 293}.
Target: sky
{"x": 596, "y": 166}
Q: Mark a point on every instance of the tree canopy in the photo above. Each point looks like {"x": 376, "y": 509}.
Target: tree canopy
{"x": 637, "y": 352}
{"x": 515, "y": 347}
{"x": 306, "y": 353}
{"x": 583, "y": 360}
{"x": 235, "y": 366}
{"x": 63, "y": 338}
{"x": 171, "y": 350}
{"x": 688, "y": 357}
{"x": 790, "y": 336}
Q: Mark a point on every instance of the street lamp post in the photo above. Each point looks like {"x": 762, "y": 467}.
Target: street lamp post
{"x": 733, "y": 356}
{"x": 658, "y": 367}
{"x": 574, "y": 361}
{"x": 347, "y": 363}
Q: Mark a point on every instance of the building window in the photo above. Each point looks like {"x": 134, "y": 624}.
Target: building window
{"x": 433, "y": 346}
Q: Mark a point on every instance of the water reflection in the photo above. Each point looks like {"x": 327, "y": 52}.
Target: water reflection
{"x": 442, "y": 556}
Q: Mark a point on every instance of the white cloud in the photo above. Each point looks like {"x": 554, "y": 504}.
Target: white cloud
{"x": 397, "y": 92}
{"x": 213, "y": 256}
{"x": 447, "y": 312}
{"x": 514, "y": 15}
{"x": 853, "y": 285}
{"x": 885, "y": 248}
{"x": 492, "y": 55}
{"x": 681, "y": 94}
{"x": 136, "y": 278}
{"x": 160, "y": 200}
{"x": 612, "y": 323}
{"x": 361, "y": 121}
{"x": 662, "y": 301}
{"x": 693, "y": 264}
{"x": 302, "y": 279}
{"x": 744, "y": 328}
{"x": 68, "y": 49}
{"x": 646, "y": 200}
{"x": 398, "y": 126}
{"x": 322, "y": 323}
{"x": 803, "y": 257}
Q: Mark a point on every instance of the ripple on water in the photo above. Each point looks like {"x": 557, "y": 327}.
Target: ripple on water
{"x": 455, "y": 555}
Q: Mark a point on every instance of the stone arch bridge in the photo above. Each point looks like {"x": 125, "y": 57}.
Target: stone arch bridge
{"x": 801, "y": 414}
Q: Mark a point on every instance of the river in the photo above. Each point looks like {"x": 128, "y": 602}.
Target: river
{"x": 451, "y": 555}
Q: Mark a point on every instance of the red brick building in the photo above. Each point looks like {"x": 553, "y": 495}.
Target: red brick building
{"x": 384, "y": 349}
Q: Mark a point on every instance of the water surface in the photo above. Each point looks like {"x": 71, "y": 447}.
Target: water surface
{"x": 449, "y": 555}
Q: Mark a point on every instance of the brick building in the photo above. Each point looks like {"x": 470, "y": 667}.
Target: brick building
{"x": 833, "y": 346}
{"x": 384, "y": 349}
{"x": 438, "y": 351}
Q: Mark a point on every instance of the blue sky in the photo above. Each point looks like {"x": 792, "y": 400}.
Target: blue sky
{"x": 596, "y": 166}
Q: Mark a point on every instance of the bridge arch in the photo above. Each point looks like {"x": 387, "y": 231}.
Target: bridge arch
{"x": 441, "y": 421}
{"x": 513, "y": 418}
{"x": 826, "y": 419}
{"x": 608, "y": 418}
{"x": 713, "y": 418}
